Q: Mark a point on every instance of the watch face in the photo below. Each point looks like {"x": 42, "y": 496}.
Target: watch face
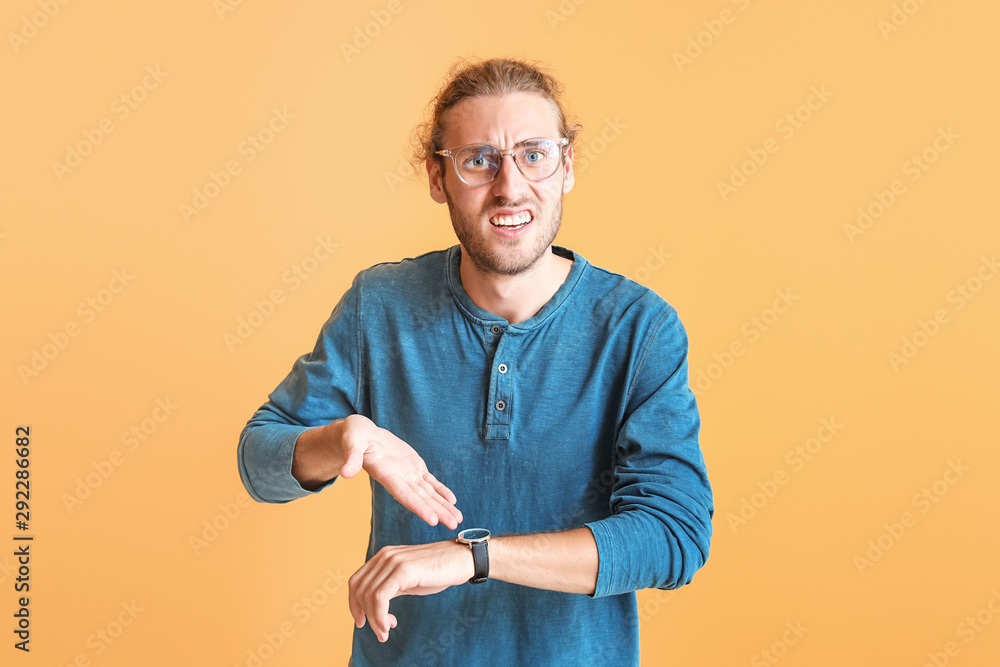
{"x": 473, "y": 534}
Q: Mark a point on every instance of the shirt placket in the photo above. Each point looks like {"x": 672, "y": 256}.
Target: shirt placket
{"x": 500, "y": 398}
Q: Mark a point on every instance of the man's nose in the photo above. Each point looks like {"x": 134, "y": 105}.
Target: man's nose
{"x": 509, "y": 180}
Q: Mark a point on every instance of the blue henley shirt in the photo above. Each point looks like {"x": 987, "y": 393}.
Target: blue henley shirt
{"x": 579, "y": 416}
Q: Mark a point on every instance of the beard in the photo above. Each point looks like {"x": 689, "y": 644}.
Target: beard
{"x": 502, "y": 256}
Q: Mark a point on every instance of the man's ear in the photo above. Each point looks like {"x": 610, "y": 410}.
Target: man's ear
{"x": 435, "y": 181}
{"x": 569, "y": 179}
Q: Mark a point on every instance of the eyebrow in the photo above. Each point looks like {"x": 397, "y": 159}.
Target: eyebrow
{"x": 478, "y": 144}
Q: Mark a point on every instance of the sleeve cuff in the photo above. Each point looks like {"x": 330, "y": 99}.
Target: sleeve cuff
{"x": 267, "y": 451}
{"x": 606, "y": 559}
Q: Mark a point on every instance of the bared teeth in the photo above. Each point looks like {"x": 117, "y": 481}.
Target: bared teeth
{"x": 511, "y": 220}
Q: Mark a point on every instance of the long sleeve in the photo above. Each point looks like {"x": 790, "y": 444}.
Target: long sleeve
{"x": 322, "y": 386}
{"x": 661, "y": 525}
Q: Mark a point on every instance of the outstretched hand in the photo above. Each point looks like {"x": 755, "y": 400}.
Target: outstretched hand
{"x": 399, "y": 469}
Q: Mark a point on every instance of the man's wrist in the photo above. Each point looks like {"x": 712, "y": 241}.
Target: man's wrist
{"x": 477, "y": 539}
{"x": 566, "y": 561}
{"x": 463, "y": 558}
{"x": 315, "y": 457}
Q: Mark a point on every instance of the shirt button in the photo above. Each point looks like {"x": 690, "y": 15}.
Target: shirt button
{"x": 495, "y": 329}
{"x": 500, "y": 405}
{"x": 502, "y": 368}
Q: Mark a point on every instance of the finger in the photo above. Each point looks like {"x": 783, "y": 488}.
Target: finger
{"x": 354, "y": 604}
{"x": 377, "y": 619}
{"x": 442, "y": 490}
{"x": 412, "y": 501}
{"x": 381, "y": 612}
{"x": 449, "y": 516}
{"x": 392, "y": 620}
{"x": 457, "y": 515}
{"x": 377, "y": 588}
{"x": 356, "y": 611}
{"x": 444, "y": 510}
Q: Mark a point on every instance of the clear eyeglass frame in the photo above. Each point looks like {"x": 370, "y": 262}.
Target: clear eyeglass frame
{"x": 515, "y": 153}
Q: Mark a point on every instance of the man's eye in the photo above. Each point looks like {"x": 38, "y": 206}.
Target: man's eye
{"x": 476, "y": 162}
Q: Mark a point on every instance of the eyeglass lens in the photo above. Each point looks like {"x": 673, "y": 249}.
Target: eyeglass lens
{"x": 479, "y": 164}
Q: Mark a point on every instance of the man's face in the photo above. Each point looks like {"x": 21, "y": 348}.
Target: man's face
{"x": 502, "y": 120}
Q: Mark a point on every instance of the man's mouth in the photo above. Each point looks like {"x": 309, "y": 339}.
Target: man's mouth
{"x": 515, "y": 221}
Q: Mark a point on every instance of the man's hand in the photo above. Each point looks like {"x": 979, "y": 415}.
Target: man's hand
{"x": 421, "y": 569}
{"x": 345, "y": 446}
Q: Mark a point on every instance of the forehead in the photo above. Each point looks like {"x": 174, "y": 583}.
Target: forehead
{"x": 502, "y": 120}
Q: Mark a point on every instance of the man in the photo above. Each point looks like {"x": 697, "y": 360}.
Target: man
{"x": 546, "y": 397}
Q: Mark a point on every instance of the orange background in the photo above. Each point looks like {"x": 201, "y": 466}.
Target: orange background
{"x": 660, "y": 134}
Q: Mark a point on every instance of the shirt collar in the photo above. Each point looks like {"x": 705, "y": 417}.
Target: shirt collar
{"x": 453, "y": 257}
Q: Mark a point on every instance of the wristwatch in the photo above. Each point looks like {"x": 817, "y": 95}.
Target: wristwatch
{"x": 478, "y": 540}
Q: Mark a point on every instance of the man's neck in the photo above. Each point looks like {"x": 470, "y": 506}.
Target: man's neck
{"x": 519, "y": 297}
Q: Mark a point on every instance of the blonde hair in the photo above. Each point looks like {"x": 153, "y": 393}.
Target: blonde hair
{"x": 477, "y": 78}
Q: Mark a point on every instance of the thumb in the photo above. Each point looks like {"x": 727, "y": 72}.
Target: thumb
{"x": 355, "y": 459}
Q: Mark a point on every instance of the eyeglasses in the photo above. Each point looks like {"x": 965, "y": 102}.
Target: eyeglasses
{"x": 478, "y": 164}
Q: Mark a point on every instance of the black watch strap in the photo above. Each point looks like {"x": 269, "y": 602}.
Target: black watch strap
{"x": 481, "y": 559}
